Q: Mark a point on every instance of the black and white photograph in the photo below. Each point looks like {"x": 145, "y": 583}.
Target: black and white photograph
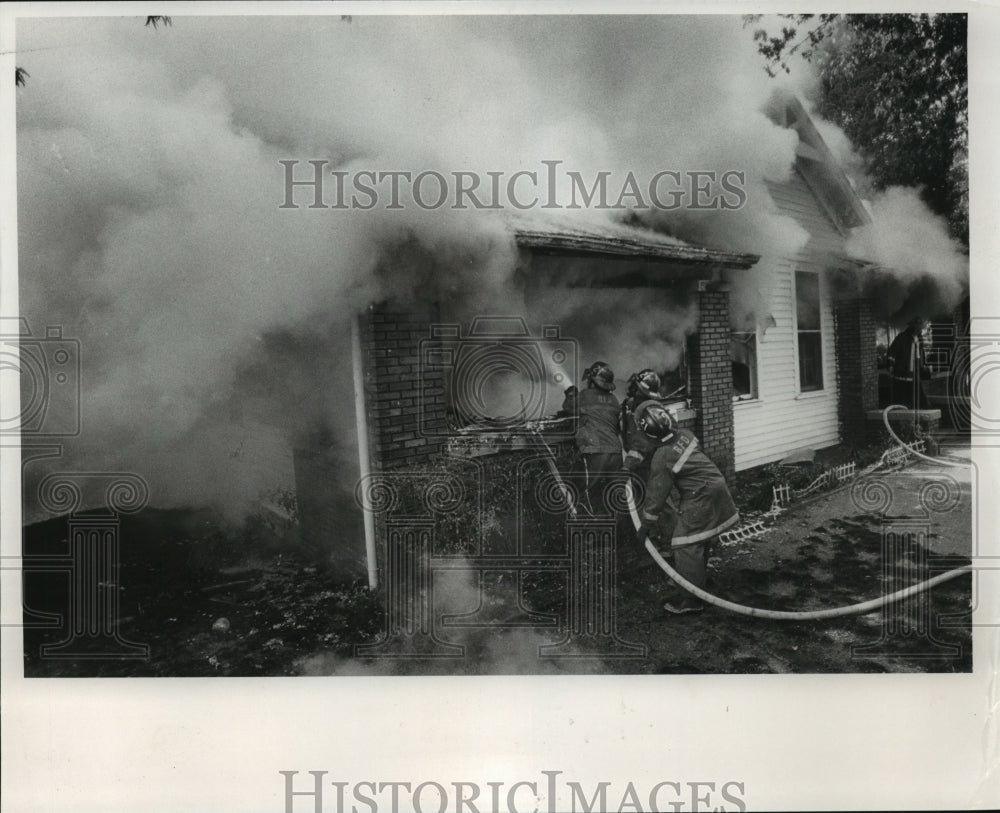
{"x": 354, "y": 345}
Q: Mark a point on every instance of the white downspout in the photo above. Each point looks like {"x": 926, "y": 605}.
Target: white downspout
{"x": 361, "y": 420}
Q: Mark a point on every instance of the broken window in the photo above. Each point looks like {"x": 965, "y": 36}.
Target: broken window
{"x": 743, "y": 355}
{"x": 809, "y": 331}
{"x": 674, "y": 381}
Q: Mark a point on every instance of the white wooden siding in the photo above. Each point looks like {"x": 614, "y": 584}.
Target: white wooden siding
{"x": 782, "y": 419}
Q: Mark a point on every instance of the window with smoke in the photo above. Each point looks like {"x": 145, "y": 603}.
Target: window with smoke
{"x": 808, "y": 325}
{"x": 743, "y": 355}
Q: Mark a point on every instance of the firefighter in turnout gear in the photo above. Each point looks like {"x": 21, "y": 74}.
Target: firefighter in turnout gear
{"x": 705, "y": 507}
{"x": 907, "y": 366}
{"x": 597, "y": 432}
{"x": 643, "y": 388}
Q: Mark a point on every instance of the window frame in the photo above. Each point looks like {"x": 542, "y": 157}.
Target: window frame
{"x": 754, "y": 394}
{"x": 820, "y": 332}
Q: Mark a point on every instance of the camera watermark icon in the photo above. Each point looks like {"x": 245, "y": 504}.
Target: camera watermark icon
{"x": 48, "y": 371}
{"x": 497, "y": 375}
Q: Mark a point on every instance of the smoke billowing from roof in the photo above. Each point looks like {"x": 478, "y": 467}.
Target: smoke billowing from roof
{"x": 929, "y": 272}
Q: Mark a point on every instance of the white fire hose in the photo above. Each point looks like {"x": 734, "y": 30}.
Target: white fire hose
{"x": 802, "y": 615}
{"x": 792, "y": 615}
{"x": 914, "y": 452}
{"x": 550, "y": 460}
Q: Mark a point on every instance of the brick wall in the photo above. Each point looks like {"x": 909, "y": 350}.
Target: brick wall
{"x": 405, "y": 400}
{"x": 711, "y": 378}
{"x": 857, "y": 373}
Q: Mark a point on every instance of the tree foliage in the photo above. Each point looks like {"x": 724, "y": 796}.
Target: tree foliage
{"x": 897, "y": 84}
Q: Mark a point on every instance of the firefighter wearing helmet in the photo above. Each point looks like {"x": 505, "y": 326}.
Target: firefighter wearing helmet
{"x": 597, "y": 432}
{"x": 907, "y": 366}
{"x": 643, "y": 388}
{"x": 705, "y": 507}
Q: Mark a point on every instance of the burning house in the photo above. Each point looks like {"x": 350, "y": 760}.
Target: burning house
{"x": 755, "y": 318}
{"x": 763, "y": 355}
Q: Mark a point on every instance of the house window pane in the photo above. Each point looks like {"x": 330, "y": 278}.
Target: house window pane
{"x": 743, "y": 355}
{"x": 810, "y": 337}
{"x": 810, "y": 362}
{"x": 807, "y": 300}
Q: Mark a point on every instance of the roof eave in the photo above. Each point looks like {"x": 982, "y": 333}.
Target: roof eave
{"x": 586, "y": 245}
{"x": 812, "y": 147}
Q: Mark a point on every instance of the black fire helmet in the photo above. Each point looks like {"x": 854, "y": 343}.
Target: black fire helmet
{"x": 600, "y": 375}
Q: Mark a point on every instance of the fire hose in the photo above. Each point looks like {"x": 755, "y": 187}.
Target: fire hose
{"x": 564, "y": 489}
{"x": 787, "y": 615}
{"x": 914, "y": 452}
{"x": 861, "y": 608}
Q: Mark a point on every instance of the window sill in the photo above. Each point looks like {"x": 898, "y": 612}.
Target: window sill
{"x": 746, "y": 402}
{"x": 805, "y": 396}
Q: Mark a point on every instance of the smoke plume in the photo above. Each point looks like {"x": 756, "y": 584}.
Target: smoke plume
{"x": 929, "y": 273}
{"x": 214, "y": 326}
{"x": 495, "y": 645}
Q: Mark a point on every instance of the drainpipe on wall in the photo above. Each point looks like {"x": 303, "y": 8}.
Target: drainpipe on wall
{"x": 364, "y": 460}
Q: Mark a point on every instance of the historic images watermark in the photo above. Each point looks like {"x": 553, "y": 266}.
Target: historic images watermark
{"x": 907, "y": 626}
{"x": 92, "y": 562}
{"x": 482, "y": 367}
{"x": 974, "y": 362}
{"x": 551, "y": 792}
{"x": 416, "y": 511}
{"x": 504, "y": 383}
{"x": 48, "y": 412}
{"x": 422, "y": 618}
{"x": 549, "y": 186}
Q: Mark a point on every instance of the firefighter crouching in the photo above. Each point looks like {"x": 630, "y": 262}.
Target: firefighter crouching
{"x": 597, "y": 432}
{"x": 643, "y": 388}
{"x": 705, "y": 508}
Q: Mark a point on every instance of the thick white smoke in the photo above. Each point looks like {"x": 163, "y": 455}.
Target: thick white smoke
{"x": 213, "y": 324}
{"x": 912, "y": 243}
{"x": 628, "y": 329}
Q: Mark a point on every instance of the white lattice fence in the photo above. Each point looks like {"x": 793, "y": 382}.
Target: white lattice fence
{"x": 743, "y": 533}
{"x": 781, "y": 495}
{"x": 784, "y": 495}
{"x": 899, "y": 455}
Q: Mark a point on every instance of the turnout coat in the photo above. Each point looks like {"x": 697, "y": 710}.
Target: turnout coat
{"x": 705, "y": 509}
{"x": 597, "y": 432}
{"x": 638, "y": 446}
